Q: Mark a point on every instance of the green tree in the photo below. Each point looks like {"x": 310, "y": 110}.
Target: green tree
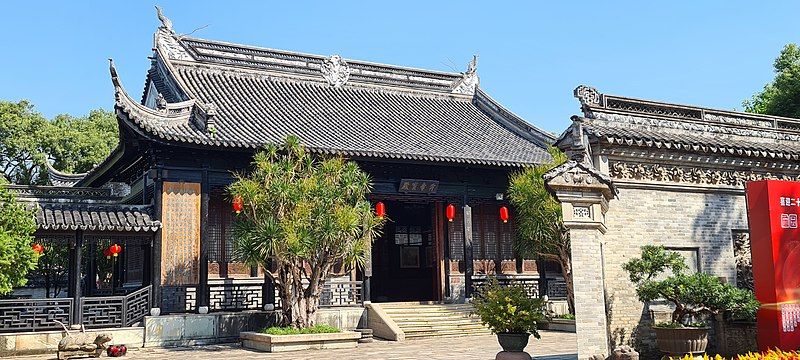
{"x": 695, "y": 296}
{"x": 74, "y": 144}
{"x": 16, "y": 236}
{"x": 77, "y": 144}
{"x": 306, "y": 214}
{"x": 780, "y": 97}
{"x": 21, "y": 146}
{"x": 540, "y": 227}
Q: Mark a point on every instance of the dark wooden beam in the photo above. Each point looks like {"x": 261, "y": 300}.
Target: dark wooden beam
{"x": 202, "y": 287}
{"x": 77, "y": 315}
{"x": 155, "y": 249}
{"x": 468, "y": 266}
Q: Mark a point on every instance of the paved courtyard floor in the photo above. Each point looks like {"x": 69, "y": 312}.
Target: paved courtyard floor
{"x": 552, "y": 346}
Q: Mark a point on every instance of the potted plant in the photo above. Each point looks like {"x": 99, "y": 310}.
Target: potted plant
{"x": 661, "y": 275}
{"x": 509, "y": 312}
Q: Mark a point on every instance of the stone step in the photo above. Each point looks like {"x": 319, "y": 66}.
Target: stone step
{"x": 423, "y": 334}
{"x": 405, "y": 322}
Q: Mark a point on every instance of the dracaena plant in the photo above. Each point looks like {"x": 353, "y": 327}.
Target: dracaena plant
{"x": 695, "y": 296}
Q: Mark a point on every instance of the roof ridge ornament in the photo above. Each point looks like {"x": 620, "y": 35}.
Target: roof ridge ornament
{"x": 335, "y": 70}
{"x": 469, "y": 79}
{"x": 166, "y": 23}
{"x": 587, "y": 95}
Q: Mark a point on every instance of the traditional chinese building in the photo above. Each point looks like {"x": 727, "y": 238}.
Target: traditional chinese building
{"x": 429, "y": 139}
{"x": 680, "y": 173}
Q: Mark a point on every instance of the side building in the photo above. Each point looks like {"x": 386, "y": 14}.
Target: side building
{"x": 680, "y": 172}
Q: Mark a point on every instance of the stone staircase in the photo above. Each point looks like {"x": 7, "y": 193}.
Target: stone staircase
{"x": 431, "y": 319}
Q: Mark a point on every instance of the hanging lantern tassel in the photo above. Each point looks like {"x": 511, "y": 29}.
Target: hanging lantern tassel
{"x": 450, "y": 212}
{"x": 107, "y": 253}
{"x": 504, "y": 214}
{"x": 38, "y": 248}
{"x": 380, "y": 210}
{"x": 238, "y": 204}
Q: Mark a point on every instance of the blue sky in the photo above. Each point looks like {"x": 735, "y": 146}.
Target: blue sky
{"x": 532, "y": 54}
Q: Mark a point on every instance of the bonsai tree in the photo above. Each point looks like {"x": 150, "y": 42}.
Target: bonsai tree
{"x": 16, "y": 236}
{"x": 508, "y": 309}
{"x": 306, "y": 214}
{"x": 695, "y": 296}
{"x": 540, "y": 227}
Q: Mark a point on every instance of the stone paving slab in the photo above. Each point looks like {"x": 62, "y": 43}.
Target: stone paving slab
{"x": 552, "y": 346}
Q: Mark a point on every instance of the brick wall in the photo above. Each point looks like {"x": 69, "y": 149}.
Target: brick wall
{"x": 678, "y": 219}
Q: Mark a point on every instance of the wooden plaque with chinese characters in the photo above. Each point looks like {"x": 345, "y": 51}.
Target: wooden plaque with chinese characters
{"x": 180, "y": 233}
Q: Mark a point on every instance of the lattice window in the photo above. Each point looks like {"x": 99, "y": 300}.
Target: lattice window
{"x": 455, "y": 229}
{"x": 220, "y": 228}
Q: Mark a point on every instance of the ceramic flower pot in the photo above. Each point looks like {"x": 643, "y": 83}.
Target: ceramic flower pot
{"x": 682, "y": 341}
{"x": 513, "y": 342}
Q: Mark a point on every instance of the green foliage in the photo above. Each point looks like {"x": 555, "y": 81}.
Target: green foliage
{"x": 694, "y": 296}
{"x": 21, "y": 146}
{"x": 288, "y": 330}
{"x": 53, "y": 268}
{"x": 508, "y": 309}
{"x": 781, "y": 96}
{"x": 74, "y": 144}
{"x": 565, "y": 317}
{"x": 16, "y": 236}
{"x": 539, "y": 225}
{"x": 306, "y": 214}
{"x": 77, "y": 144}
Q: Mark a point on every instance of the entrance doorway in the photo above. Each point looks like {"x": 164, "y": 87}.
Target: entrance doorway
{"x": 404, "y": 257}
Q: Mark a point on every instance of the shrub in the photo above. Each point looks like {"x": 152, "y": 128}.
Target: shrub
{"x": 507, "y": 309}
{"x": 695, "y": 296}
{"x": 316, "y": 329}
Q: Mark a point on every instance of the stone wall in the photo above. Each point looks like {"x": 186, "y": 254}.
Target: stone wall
{"x": 683, "y": 220}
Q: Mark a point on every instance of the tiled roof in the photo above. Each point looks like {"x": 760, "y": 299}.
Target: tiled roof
{"x": 58, "y": 178}
{"x": 642, "y": 123}
{"x": 95, "y": 217}
{"x": 239, "y": 96}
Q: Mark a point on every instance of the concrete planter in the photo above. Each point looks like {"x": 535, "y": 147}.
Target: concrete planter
{"x": 682, "y": 341}
{"x": 281, "y": 343}
{"x": 561, "y": 325}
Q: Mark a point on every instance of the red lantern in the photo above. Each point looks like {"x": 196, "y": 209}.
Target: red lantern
{"x": 450, "y": 212}
{"x": 115, "y": 250}
{"x": 238, "y": 204}
{"x": 38, "y": 248}
{"x": 380, "y": 209}
{"x": 504, "y": 214}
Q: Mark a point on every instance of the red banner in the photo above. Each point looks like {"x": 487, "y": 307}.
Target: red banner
{"x": 772, "y": 210}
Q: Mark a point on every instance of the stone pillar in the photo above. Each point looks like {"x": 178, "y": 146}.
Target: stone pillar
{"x": 584, "y": 194}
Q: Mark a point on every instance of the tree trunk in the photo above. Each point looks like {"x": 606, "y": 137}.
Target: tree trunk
{"x": 566, "y": 272}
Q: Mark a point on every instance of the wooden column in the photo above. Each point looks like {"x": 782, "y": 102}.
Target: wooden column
{"x": 446, "y": 240}
{"x": 155, "y": 249}
{"x": 202, "y": 287}
{"x": 468, "y": 265}
{"x": 366, "y": 292}
{"x": 77, "y": 313}
{"x": 268, "y": 288}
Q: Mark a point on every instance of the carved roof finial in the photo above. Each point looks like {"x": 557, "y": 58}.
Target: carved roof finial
{"x": 472, "y": 68}
{"x": 113, "y": 70}
{"x": 587, "y": 95}
{"x": 469, "y": 79}
{"x": 166, "y": 23}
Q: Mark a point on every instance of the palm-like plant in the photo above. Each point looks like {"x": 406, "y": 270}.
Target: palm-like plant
{"x": 540, "y": 226}
{"x": 307, "y": 214}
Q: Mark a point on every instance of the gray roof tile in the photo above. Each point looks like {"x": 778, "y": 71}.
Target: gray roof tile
{"x": 94, "y": 217}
